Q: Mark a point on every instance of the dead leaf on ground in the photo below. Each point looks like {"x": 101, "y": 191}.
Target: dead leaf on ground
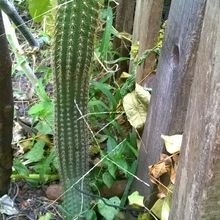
{"x": 173, "y": 175}
{"x": 157, "y": 170}
{"x": 161, "y": 167}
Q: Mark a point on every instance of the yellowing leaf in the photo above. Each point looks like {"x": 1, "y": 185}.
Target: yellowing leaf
{"x": 165, "y": 210}
{"x": 142, "y": 95}
{"x": 166, "y": 206}
{"x": 134, "y": 50}
{"x": 125, "y": 75}
{"x": 136, "y": 199}
{"x": 157, "y": 207}
{"x": 172, "y": 143}
{"x": 135, "y": 105}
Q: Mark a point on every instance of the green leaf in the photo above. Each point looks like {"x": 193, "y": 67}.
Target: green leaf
{"x": 107, "y": 179}
{"x": 20, "y": 168}
{"x": 166, "y": 207}
{"x": 44, "y": 167}
{"x": 48, "y": 216}
{"x": 112, "y": 168}
{"x": 106, "y": 211}
{"x": 36, "y": 153}
{"x": 49, "y": 21}
{"x": 157, "y": 207}
{"x": 37, "y": 8}
{"x": 44, "y": 128}
{"x": 41, "y": 91}
{"x": 133, "y": 149}
{"x": 90, "y": 215}
{"x": 111, "y": 144}
{"x": 136, "y": 199}
{"x": 165, "y": 211}
{"x": 132, "y": 138}
{"x": 122, "y": 164}
{"x": 97, "y": 103}
{"x": 37, "y": 109}
{"x": 104, "y": 48}
{"x": 106, "y": 90}
{"x": 144, "y": 216}
{"x": 41, "y": 109}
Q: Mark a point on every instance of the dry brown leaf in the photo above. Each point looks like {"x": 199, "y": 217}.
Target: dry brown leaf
{"x": 167, "y": 159}
{"x": 161, "y": 167}
{"x": 162, "y": 191}
{"x": 175, "y": 158}
{"x": 158, "y": 169}
{"x": 173, "y": 175}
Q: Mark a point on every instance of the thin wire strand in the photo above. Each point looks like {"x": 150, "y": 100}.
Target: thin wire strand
{"x": 94, "y": 137}
{"x": 137, "y": 178}
{"x": 100, "y": 113}
{"x": 82, "y": 116}
{"x": 87, "y": 173}
{"x": 106, "y": 157}
{"x": 99, "y": 162}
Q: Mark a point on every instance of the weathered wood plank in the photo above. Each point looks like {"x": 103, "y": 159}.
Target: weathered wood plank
{"x": 197, "y": 194}
{"x": 146, "y": 29}
{"x": 124, "y": 23}
{"x": 173, "y": 82}
{"x": 6, "y": 112}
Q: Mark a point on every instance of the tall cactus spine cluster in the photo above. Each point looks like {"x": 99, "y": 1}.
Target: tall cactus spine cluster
{"x": 73, "y": 49}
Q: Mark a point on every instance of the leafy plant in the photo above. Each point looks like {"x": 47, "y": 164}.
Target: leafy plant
{"x": 113, "y": 148}
{"x": 108, "y": 212}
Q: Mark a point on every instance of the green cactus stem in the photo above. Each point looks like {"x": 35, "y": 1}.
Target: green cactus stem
{"x": 73, "y": 49}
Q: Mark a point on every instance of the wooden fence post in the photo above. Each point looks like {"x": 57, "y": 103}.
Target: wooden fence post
{"x": 197, "y": 193}
{"x": 124, "y": 23}
{"x": 6, "y": 112}
{"x": 146, "y": 31}
{"x": 170, "y": 95}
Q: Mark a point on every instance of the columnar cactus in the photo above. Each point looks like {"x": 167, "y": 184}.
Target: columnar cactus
{"x": 73, "y": 49}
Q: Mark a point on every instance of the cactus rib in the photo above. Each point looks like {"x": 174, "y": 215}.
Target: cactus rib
{"x": 73, "y": 49}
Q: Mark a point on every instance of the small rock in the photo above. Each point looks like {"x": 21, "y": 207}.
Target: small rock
{"x": 54, "y": 191}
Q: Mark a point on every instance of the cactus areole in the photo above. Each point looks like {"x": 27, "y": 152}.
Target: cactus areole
{"x": 73, "y": 49}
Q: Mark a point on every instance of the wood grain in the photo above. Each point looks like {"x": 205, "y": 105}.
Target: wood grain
{"x": 124, "y": 23}
{"x": 174, "y": 77}
{"x": 197, "y": 194}
{"x": 146, "y": 29}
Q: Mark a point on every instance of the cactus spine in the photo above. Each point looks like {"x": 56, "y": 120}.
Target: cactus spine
{"x": 73, "y": 49}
